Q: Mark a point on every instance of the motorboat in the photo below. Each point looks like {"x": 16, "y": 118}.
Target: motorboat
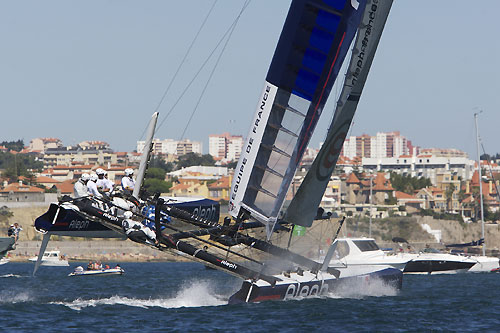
{"x": 52, "y": 258}
{"x": 3, "y": 261}
{"x": 432, "y": 261}
{"x": 362, "y": 256}
{"x": 484, "y": 264}
{"x": 79, "y": 271}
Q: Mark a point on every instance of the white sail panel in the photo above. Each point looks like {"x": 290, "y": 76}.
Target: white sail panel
{"x": 249, "y": 152}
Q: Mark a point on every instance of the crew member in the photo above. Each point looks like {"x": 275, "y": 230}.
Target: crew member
{"x": 128, "y": 183}
{"x": 80, "y": 188}
{"x": 136, "y": 231}
{"x": 14, "y": 231}
{"x": 104, "y": 185}
{"x": 92, "y": 186}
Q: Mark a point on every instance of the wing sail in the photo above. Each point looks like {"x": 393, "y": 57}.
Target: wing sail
{"x": 304, "y": 205}
{"x": 313, "y": 44}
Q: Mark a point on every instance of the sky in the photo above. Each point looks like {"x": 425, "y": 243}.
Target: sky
{"x": 97, "y": 70}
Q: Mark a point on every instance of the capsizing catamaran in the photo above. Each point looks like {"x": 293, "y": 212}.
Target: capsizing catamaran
{"x": 315, "y": 40}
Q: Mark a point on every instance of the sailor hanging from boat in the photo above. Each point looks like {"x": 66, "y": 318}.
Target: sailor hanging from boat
{"x": 136, "y": 231}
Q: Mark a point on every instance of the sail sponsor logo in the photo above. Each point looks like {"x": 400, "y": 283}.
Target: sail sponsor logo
{"x": 355, "y": 4}
{"x": 365, "y": 42}
{"x": 229, "y": 264}
{"x": 77, "y": 224}
{"x": 329, "y": 156}
{"x": 250, "y": 149}
{"x": 110, "y": 217}
{"x": 205, "y": 212}
{"x": 305, "y": 290}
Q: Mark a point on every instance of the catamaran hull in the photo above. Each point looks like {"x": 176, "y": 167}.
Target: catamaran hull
{"x": 251, "y": 292}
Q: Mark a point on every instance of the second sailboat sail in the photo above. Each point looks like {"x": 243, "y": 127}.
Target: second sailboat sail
{"x": 313, "y": 44}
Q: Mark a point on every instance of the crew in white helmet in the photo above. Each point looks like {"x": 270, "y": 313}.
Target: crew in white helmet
{"x": 92, "y": 186}
{"x": 136, "y": 231}
{"x": 128, "y": 183}
{"x": 104, "y": 185}
{"x": 80, "y": 188}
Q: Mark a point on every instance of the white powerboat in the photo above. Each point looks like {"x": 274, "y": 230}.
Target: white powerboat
{"x": 52, "y": 258}
{"x": 362, "y": 256}
{"x": 432, "y": 261}
{"x": 484, "y": 264}
{"x": 79, "y": 271}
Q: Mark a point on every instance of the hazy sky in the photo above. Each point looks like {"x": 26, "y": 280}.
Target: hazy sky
{"x": 81, "y": 70}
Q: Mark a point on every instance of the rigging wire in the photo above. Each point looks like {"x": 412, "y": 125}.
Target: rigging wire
{"x": 182, "y": 62}
{"x": 203, "y": 65}
{"x": 245, "y": 5}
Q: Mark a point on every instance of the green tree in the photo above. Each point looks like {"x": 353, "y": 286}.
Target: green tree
{"x": 408, "y": 184}
{"x": 449, "y": 196}
{"x": 195, "y": 159}
{"x": 155, "y": 185}
{"x": 13, "y": 145}
{"x": 159, "y": 162}
{"x": 156, "y": 173}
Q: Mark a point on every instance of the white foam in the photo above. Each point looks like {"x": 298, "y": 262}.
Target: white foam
{"x": 195, "y": 294}
{"x": 14, "y": 297}
{"x": 360, "y": 289}
{"x": 10, "y": 276}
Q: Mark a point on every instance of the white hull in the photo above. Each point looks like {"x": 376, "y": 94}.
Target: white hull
{"x": 3, "y": 261}
{"x": 58, "y": 263}
{"x": 51, "y": 258}
{"x": 111, "y": 271}
{"x": 484, "y": 264}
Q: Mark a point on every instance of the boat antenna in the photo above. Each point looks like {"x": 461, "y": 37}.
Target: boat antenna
{"x": 480, "y": 181}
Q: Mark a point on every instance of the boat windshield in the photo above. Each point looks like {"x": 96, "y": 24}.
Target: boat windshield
{"x": 342, "y": 250}
{"x": 366, "y": 245}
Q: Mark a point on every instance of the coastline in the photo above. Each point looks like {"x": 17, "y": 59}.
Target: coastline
{"x": 103, "y": 250}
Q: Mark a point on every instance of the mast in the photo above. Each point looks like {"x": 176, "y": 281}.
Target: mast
{"x": 480, "y": 182}
{"x": 305, "y": 203}
{"x": 145, "y": 155}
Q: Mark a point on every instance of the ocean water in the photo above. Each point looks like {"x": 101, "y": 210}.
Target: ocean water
{"x": 186, "y": 297}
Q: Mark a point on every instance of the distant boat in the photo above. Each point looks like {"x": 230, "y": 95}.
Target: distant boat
{"x": 52, "y": 258}
{"x": 79, "y": 271}
{"x": 432, "y": 261}
{"x": 363, "y": 256}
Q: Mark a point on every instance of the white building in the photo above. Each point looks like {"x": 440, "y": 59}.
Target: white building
{"x": 172, "y": 147}
{"x": 421, "y": 166}
{"x": 225, "y": 146}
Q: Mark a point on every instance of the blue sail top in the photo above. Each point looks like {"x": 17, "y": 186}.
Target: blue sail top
{"x": 312, "y": 47}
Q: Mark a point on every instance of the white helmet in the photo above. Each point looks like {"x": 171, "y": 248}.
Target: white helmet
{"x": 93, "y": 177}
{"x": 129, "y": 172}
{"x": 100, "y": 171}
{"x": 127, "y": 214}
{"x": 85, "y": 177}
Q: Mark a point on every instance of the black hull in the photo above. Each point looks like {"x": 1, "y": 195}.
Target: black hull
{"x": 252, "y": 293}
{"x": 436, "y": 266}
